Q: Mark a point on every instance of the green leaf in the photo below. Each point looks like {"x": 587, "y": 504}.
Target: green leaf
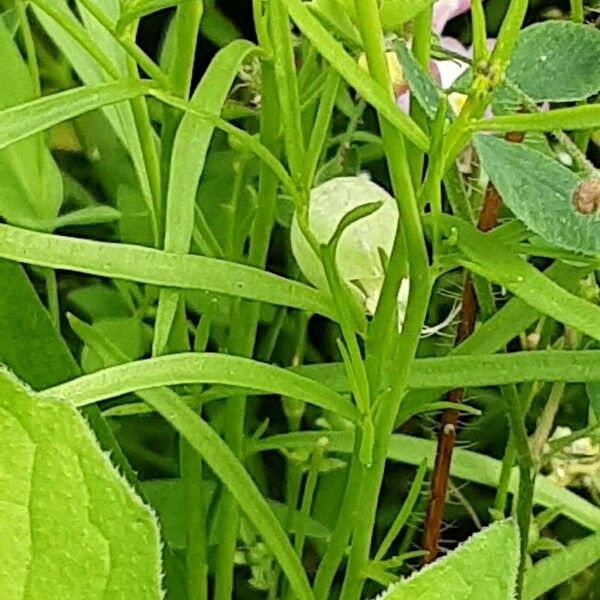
{"x": 31, "y": 188}
{"x": 485, "y": 566}
{"x": 479, "y": 371}
{"x": 421, "y": 85}
{"x": 557, "y": 61}
{"x": 134, "y": 263}
{"x": 91, "y": 215}
{"x": 336, "y": 18}
{"x": 29, "y": 342}
{"x": 593, "y": 392}
{"x": 192, "y": 140}
{"x": 130, "y": 334}
{"x": 136, "y": 9}
{"x": 466, "y": 465}
{"x": 496, "y": 263}
{"x": 348, "y": 68}
{"x": 539, "y": 191}
{"x": 187, "y": 164}
{"x": 25, "y": 119}
{"x": 70, "y": 527}
{"x": 586, "y": 116}
{"x": 121, "y": 116}
{"x": 202, "y": 368}
{"x": 561, "y": 566}
{"x": 394, "y": 13}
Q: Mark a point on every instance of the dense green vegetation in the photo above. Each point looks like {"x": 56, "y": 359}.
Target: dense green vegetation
{"x": 264, "y": 263}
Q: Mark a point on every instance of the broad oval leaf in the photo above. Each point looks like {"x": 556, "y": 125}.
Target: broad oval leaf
{"x": 557, "y": 61}
{"x": 485, "y": 566}
{"x": 539, "y": 191}
{"x": 70, "y": 527}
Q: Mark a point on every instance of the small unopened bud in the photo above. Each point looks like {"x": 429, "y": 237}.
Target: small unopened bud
{"x": 586, "y": 198}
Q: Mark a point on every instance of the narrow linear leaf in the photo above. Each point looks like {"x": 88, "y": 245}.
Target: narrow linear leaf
{"x": 201, "y": 368}
{"x": 70, "y": 527}
{"x": 192, "y": 140}
{"x": 495, "y": 263}
{"x": 24, "y": 120}
{"x": 540, "y": 192}
{"x": 220, "y": 458}
{"x": 348, "y": 68}
{"x": 586, "y": 116}
{"x": 478, "y": 371}
{"x": 466, "y": 465}
{"x": 137, "y": 9}
{"x": 135, "y": 263}
{"x": 561, "y": 566}
{"x": 187, "y": 164}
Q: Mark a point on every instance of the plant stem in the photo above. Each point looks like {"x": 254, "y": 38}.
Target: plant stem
{"x": 508, "y": 461}
{"x": 389, "y": 401}
{"x": 447, "y": 436}
{"x": 339, "y": 538}
{"x": 128, "y": 44}
{"x": 187, "y": 25}
{"x": 242, "y": 336}
{"x": 421, "y": 48}
{"x": 195, "y": 520}
{"x": 308, "y": 494}
{"x": 524, "y": 503}
{"x": 577, "y": 11}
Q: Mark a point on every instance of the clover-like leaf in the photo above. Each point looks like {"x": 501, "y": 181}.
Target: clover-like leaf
{"x": 554, "y": 61}
{"x": 70, "y": 527}
{"x": 541, "y": 193}
{"x": 485, "y": 566}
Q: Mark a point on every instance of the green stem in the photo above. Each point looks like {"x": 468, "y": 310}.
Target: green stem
{"x": 287, "y": 86}
{"x": 421, "y": 48}
{"x": 80, "y": 36}
{"x": 320, "y": 128}
{"x": 308, "y": 495}
{"x": 404, "y": 513}
{"x": 508, "y": 461}
{"x": 195, "y": 521}
{"x": 187, "y": 25}
{"x": 29, "y": 44}
{"x": 389, "y": 402}
{"x": 516, "y": 417}
{"x": 242, "y": 337}
{"x": 485, "y": 82}
{"x": 52, "y": 293}
{"x": 341, "y": 534}
{"x": 129, "y": 45}
{"x": 150, "y": 157}
{"x": 480, "y": 51}
{"x": 577, "y": 11}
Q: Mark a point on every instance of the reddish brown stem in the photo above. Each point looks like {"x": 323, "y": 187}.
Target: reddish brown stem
{"x": 447, "y": 432}
{"x": 488, "y": 219}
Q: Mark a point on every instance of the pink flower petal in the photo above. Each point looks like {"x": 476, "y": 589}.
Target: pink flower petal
{"x": 444, "y": 10}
